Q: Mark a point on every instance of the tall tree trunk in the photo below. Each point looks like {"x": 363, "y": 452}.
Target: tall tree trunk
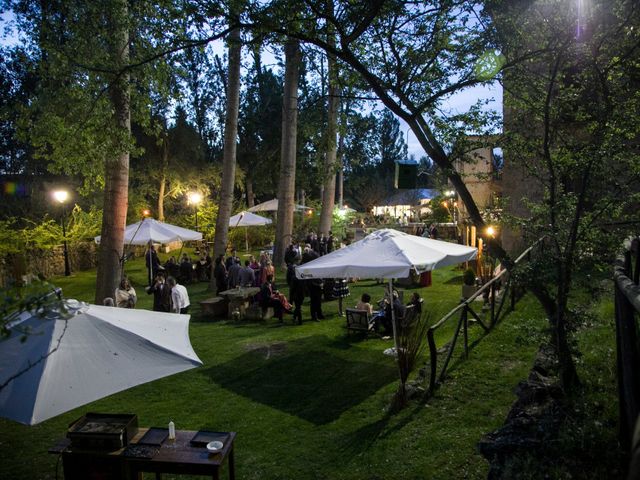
{"x": 287, "y": 181}
{"x": 329, "y": 171}
{"x": 249, "y": 190}
{"x": 340, "y": 167}
{"x": 116, "y": 199}
{"x": 161, "y": 190}
{"x": 230, "y": 136}
{"x": 163, "y": 175}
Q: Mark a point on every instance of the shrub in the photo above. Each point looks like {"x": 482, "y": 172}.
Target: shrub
{"x": 469, "y": 277}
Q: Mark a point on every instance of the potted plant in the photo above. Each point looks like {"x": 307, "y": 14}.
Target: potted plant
{"x": 468, "y": 283}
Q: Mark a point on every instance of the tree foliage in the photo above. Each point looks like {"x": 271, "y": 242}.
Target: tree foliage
{"x": 573, "y": 127}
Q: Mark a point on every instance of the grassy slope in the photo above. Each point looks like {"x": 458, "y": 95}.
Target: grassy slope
{"x": 310, "y": 402}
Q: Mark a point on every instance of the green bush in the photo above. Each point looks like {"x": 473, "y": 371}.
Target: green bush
{"x": 469, "y": 277}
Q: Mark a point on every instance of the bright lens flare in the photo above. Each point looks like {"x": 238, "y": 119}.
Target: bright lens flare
{"x": 146, "y": 213}
{"x": 491, "y": 231}
{"x": 195, "y": 198}
{"x": 61, "y": 196}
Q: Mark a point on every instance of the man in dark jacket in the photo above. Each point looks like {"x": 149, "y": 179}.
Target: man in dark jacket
{"x": 161, "y": 294}
{"x": 314, "y": 286}
{"x": 153, "y": 263}
{"x": 296, "y": 293}
{"x": 291, "y": 255}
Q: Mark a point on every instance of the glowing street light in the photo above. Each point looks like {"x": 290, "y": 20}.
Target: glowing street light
{"x": 491, "y": 231}
{"x": 146, "y": 212}
{"x": 194, "y": 199}
{"x": 61, "y": 196}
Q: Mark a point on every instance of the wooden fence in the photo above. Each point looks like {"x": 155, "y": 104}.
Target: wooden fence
{"x": 497, "y": 298}
{"x": 627, "y": 308}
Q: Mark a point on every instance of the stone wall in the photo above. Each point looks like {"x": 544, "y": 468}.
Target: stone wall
{"x": 48, "y": 263}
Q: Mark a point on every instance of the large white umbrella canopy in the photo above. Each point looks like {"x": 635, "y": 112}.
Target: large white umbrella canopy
{"x": 68, "y": 362}
{"x": 386, "y": 253}
{"x": 151, "y": 230}
{"x": 248, "y": 219}
{"x": 271, "y": 206}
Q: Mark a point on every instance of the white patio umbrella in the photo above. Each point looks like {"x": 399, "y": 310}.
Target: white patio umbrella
{"x": 248, "y": 219}
{"x": 271, "y": 206}
{"x": 97, "y": 351}
{"x": 151, "y": 230}
{"x": 387, "y": 254}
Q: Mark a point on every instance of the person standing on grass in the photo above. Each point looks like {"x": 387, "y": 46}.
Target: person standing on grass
{"x": 247, "y": 275}
{"x": 234, "y": 275}
{"x": 161, "y": 294}
{"x": 179, "y": 297}
{"x": 220, "y": 274}
{"x": 340, "y": 291}
{"x": 152, "y": 262}
{"x": 296, "y": 293}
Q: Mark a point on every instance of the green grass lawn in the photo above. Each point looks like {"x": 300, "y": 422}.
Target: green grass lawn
{"x": 310, "y": 401}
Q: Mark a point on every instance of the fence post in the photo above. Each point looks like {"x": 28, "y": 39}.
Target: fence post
{"x": 493, "y": 304}
{"x": 465, "y": 328}
{"x": 433, "y": 358}
{"x": 628, "y": 359}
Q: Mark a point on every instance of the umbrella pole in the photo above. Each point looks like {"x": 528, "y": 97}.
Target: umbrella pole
{"x": 393, "y": 315}
{"x": 246, "y": 239}
{"x": 180, "y": 252}
{"x": 395, "y": 334}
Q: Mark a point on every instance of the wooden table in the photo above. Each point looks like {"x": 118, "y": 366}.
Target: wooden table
{"x": 177, "y": 457}
{"x": 239, "y": 299}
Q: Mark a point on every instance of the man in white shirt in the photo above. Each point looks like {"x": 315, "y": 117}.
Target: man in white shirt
{"x": 179, "y": 297}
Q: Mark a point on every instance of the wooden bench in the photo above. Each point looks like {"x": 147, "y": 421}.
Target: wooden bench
{"x": 214, "y": 307}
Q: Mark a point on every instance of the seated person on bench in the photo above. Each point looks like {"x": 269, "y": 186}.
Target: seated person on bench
{"x": 270, "y": 297}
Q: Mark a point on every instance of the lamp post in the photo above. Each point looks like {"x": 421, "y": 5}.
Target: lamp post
{"x": 61, "y": 196}
{"x": 194, "y": 199}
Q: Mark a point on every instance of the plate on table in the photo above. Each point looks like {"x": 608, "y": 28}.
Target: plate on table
{"x": 215, "y": 446}
{"x": 203, "y": 437}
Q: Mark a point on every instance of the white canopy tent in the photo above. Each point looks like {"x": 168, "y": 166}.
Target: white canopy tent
{"x": 97, "y": 351}
{"x": 387, "y": 254}
{"x": 151, "y": 230}
{"x": 248, "y": 219}
{"x": 272, "y": 206}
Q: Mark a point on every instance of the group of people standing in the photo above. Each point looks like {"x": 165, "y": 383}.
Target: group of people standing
{"x": 168, "y": 295}
{"x": 297, "y": 254}
{"x": 186, "y": 270}
{"x": 232, "y": 272}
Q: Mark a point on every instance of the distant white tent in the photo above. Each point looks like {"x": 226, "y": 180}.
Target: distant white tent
{"x": 248, "y": 219}
{"x": 151, "y": 230}
{"x": 98, "y": 351}
{"x": 272, "y": 206}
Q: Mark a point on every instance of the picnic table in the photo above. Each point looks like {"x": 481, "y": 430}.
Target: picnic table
{"x": 239, "y": 299}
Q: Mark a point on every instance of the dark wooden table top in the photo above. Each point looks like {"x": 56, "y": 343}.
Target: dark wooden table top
{"x": 177, "y": 456}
